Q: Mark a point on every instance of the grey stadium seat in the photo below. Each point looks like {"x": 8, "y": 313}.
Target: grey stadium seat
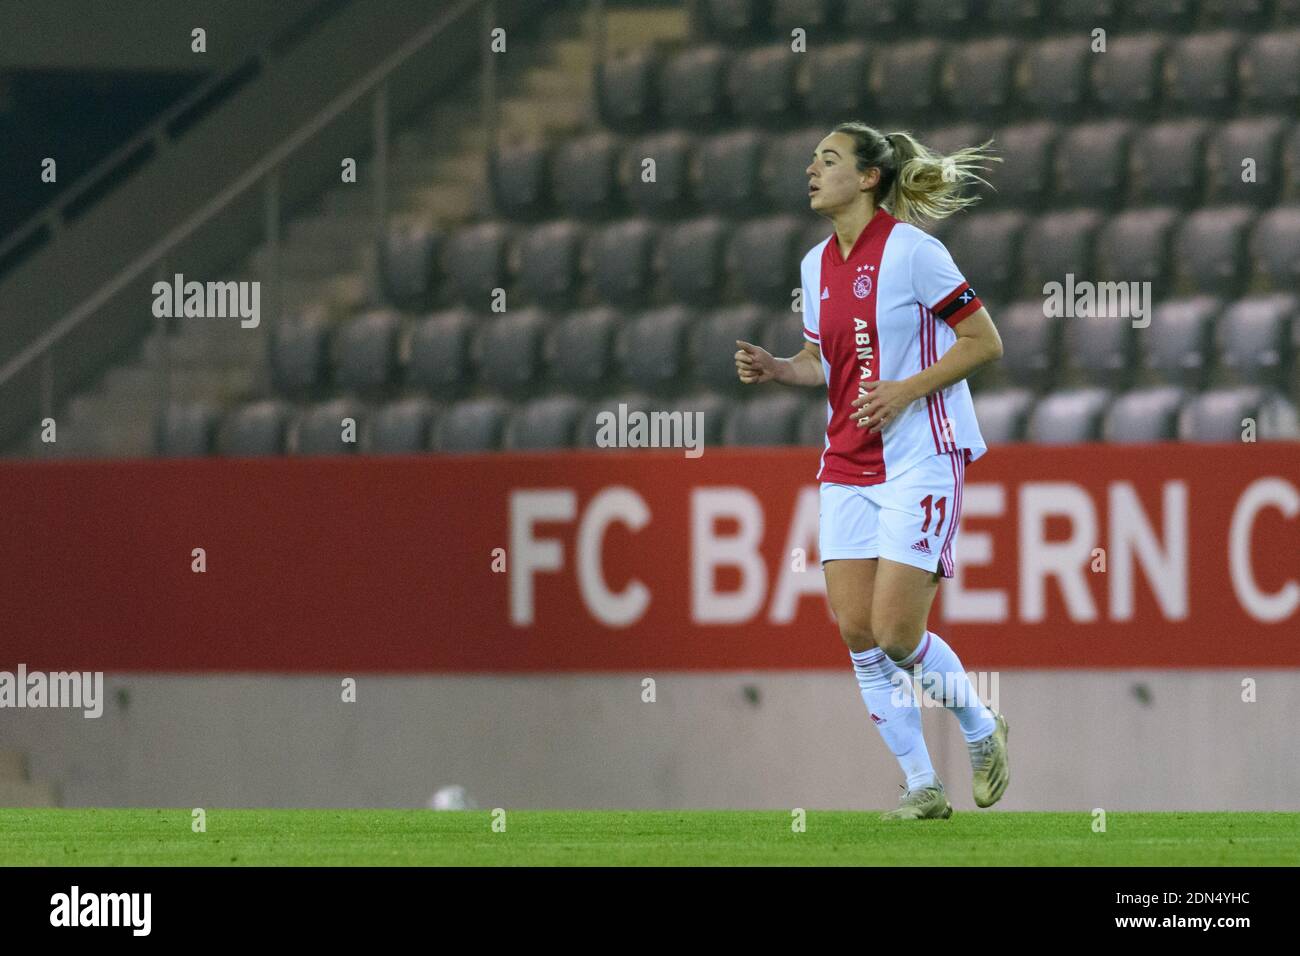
{"x": 1201, "y": 75}
{"x": 543, "y": 424}
{"x": 731, "y": 20}
{"x": 1244, "y": 14}
{"x": 986, "y": 248}
{"x": 669, "y": 193}
{"x": 474, "y": 262}
{"x": 782, "y": 334}
{"x": 764, "y": 256}
{"x": 1133, "y": 246}
{"x": 1144, "y": 415}
{"x": 651, "y": 349}
{"x": 771, "y": 419}
{"x": 626, "y": 88}
{"x": 1068, "y": 417}
{"x": 982, "y": 76}
{"x": 1210, "y": 249}
{"x": 1053, "y": 78}
{"x": 1258, "y": 139}
{"x": 621, "y": 257}
{"x": 812, "y": 423}
{"x": 299, "y": 354}
{"x": 1275, "y": 247}
{"x": 550, "y": 258}
{"x": 712, "y": 344}
{"x": 408, "y": 259}
{"x": 877, "y": 17}
{"x": 729, "y": 166}
{"x": 1167, "y": 161}
{"x": 714, "y": 411}
{"x": 1126, "y": 81}
{"x": 187, "y": 429}
{"x": 584, "y": 175}
{"x": 1171, "y": 15}
{"x": 365, "y": 351}
{"x": 399, "y": 428}
{"x": 1253, "y": 339}
{"x": 837, "y": 80}
{"x": 1031, "y": 344}
{"x": 579, "y": 349}
{"x": 439, "y": 351}
{"x": 761, "y": 84}
{"x": 508, "y": 349}
{"x": 1217, "y": 415}
{"x": 1086, "y": 13}
{"x": 692, "y": 86}
{"x": 947, "y": 16}
{"x": 1002, "y": 414}
{"x": 785, "y": 185}
{"x": 319, "y": 430}
{"x": 517, "y": 176}
{"x": 589, "y": 430}
{"x": 1024, "y": 177}
{"x": 1056, "y": 244}
{"x": 1269, "y": 71}
{"x": 473, "y": 425}
{"x": 693, "y": 256}
{"x": 1092, "y": 163}
{"x": 1177, "y": 346}
{"x": 1102, "y": 349}
{"x": 904, "y": 80}
{"x": 252, "y": 430}
{"x": 819, "y": 15}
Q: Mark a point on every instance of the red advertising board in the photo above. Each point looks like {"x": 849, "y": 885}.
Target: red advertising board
{"x": 1080, "y": 557}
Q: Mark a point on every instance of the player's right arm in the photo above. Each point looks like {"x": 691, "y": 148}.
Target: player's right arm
{"x": 755, "y": 365}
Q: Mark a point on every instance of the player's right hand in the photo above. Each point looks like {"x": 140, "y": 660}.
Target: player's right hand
{"x": 754, "y": 364}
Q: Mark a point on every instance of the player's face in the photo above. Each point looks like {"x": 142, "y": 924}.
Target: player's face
{"x": 833, "y": 181}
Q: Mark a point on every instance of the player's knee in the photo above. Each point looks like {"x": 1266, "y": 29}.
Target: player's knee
{"x": 898, "y": 638}
{"x": 856, "y": 632}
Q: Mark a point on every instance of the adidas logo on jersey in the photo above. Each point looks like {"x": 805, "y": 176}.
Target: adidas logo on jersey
{"x": 879, "y": 720}
{"x": 923, "y": 546}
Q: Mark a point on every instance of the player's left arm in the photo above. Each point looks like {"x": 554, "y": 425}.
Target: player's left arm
{"x": 977, "y": 343}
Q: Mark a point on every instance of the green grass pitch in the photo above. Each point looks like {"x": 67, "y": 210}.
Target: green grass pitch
{"x": 53, "y": 837}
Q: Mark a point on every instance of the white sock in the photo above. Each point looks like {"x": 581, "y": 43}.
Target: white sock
{"x": 944, "y": 679}
{"x": 898, "y": 718}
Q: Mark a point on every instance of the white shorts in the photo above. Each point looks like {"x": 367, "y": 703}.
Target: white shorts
{"x": 912, "y": 519}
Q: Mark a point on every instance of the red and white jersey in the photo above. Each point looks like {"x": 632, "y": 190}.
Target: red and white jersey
{"x": 884, "y": 314}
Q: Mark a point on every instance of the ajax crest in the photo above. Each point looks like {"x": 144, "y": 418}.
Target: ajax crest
{"x": 862, "y": 286}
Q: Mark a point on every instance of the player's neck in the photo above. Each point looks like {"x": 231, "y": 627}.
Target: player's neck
{"x": 849, "y": 225}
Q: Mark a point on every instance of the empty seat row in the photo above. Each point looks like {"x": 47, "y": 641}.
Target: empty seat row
{"x": 742, "y": 20}
{"x": 1186, "y": 342}
{"x": 1213, "y": 73}
{"x": 701, "y": 261}
{"x": 1148, "y": 414}
{"x": 450, "y": 351}
{"x": 777, "y": 417}
{"x": 1182, "y": 162}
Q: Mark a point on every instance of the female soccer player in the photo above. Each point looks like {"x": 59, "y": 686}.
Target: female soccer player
{"x": 892, "y": 329}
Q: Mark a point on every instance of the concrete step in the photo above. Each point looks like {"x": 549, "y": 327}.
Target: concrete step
{"x": 98, "y": 410}
{"x": 538, "y": 117}
{"x": 451, "y": 205}
{"x": 207, "y": 350}
{"x": 13, "y": 765}
{"x": 27, "y": 794}
{"x": 633, "y": 29}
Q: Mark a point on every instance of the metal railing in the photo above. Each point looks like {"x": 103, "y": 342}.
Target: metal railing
{"x": 266, "y": 173}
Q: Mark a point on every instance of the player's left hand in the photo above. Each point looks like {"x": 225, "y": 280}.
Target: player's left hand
{"x": 882, "y": 403}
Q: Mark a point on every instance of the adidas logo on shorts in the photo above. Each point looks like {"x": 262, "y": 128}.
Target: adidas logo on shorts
{"x": 923, "y": 546}
{"x": 879, "y": 720}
